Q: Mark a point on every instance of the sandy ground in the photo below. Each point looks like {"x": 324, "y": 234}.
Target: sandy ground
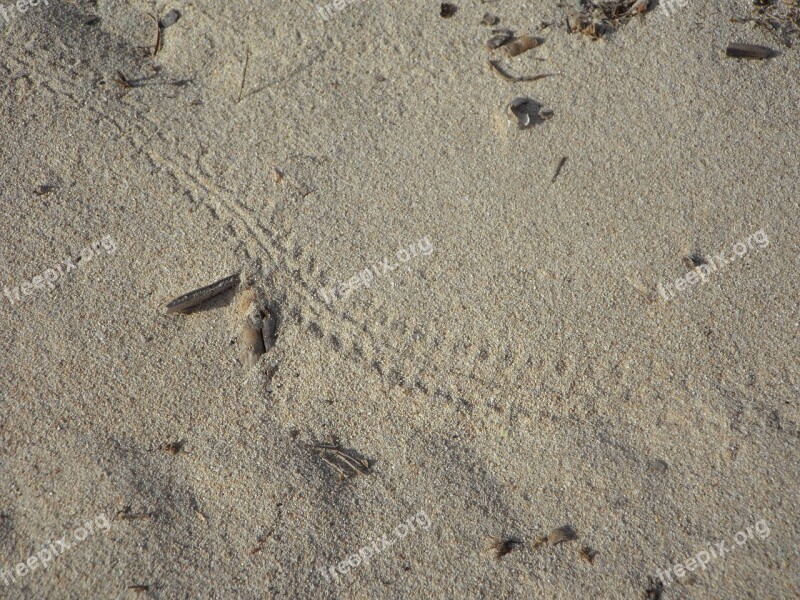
{"x": 519, "y": 371}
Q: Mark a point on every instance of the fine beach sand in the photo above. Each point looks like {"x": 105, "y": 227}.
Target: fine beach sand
{"x": 518, "y": 371}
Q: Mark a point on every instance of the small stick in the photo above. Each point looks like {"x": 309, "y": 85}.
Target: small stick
{"x": 513, "y": 78}
{"x": 183, "y": 303}
{"x": 558, "y": 169}
{"x": 244, "y": 74}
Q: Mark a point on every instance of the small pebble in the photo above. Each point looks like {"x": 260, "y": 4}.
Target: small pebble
{"x": 169, "y": 19}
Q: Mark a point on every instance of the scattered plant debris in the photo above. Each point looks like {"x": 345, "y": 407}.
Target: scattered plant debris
{"x": 343, "y": 463}
{"x": 597, "y": 18}
{"x": 489, "y": 19}
{"x": 780, "y": 18}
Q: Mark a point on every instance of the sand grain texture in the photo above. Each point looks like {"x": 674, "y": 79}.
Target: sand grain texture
{"x": 523, "y": 375}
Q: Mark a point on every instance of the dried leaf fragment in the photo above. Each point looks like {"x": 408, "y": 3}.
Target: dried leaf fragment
{"x": 751, "y": 51}
{"x": 183, "y": 303}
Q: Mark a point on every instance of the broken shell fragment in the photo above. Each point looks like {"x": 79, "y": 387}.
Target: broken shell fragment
{"x": 251, "y": 337}
{"x": 501, "y": 37}
{"x": 518, "y": 110}
{"x": 521, "y": 44}
{"x": 490, "y": 19}
{"x": 527, "y": 112}
{"x": 268, "y": 326}
{"x": 251, "y": 342}
{"x": 561, "y": 534}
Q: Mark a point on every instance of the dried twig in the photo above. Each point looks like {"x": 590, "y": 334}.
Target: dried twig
{"x": 340, "y": 461}
{"x": 514, "y": 78}
{"x": 159, "y": 39}
{"x": 244, "y": 74}
{"x": 123, "y": 82}
{"x": 558, "y": 169}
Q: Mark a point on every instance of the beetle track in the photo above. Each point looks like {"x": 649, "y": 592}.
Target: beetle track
{"x": 330, "y": 324}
